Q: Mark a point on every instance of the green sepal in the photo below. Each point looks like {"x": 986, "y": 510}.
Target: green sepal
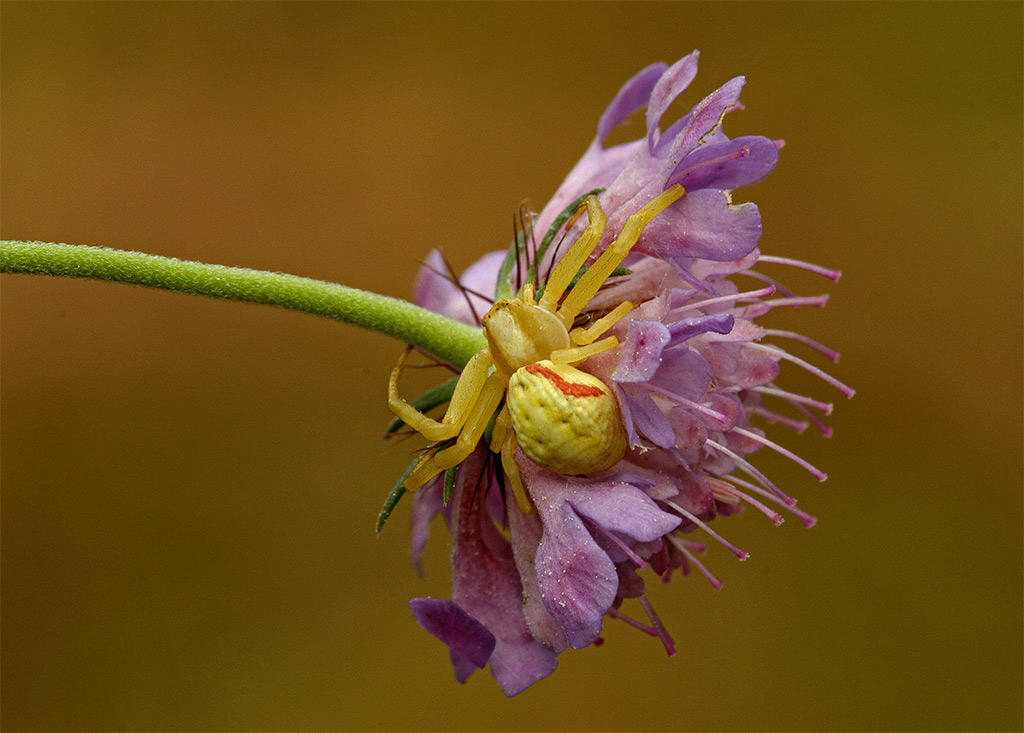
{"x": 396, "y": 494}
{"x": 449, "y": 483}
{"x": 427, "y": 401}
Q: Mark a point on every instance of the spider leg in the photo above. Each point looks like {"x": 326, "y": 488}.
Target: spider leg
{"x": 582, "y": 337}
{"x": 486, "y": 403}
{"x": 466, "y": 392}
{"x": 508, "y": 462}
{"x": 576, "y": 354}
{"x": 588, "y": 285}
{"x": 573, "y": 259}
{"x": 501, "y": 426}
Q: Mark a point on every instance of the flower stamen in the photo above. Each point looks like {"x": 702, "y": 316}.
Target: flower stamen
{"x": 798, "y": 426}
{"x": 748, "y": 295}
{"x": 817, "y": 473}
{"x": 662, "y": 632}
{"x": 848, "y": 392}
{"x": 681, "y": 545}
{"x": 741, "y": 554}
{"x": 809, "y": 520}
{"x": 831, "y": 354}
{"x": 748, "y": 468}
{"x": 724, "y": 491}
{"x": 696, "y": 406}
{"x": 832, "y": 275}
{"x": 795, "y": 399}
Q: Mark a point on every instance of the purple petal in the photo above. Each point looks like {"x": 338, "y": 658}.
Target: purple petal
{"x": 683, "y": 372}
{"x": 525, "y": 530}
{"x": 634, "y": 94}
{"x": 485, "y": 582}
{"x": 427, "y": 502}
{"x": 727, "y": 165}
{"x": 627, "y": 415}
{"x": 648, "y": 418}
{"x": 703, "y": 224}
{"x": 669, "y": 86}
{"x": 691, "y": 433}
{"x": 704, "y": 118}
{"x": 466, "y": 637}
{"x": 463, "y": 667}
{"x": 687, "y": 328}
{"x": 577, "y": 579}
{"x": 620, "y": 507}
{"x": 640, "y": 353}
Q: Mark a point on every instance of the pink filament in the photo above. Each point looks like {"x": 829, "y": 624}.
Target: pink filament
{"x": 749, "y": 295}
{"x": 832, "y": 275}
{"x": 824, "y": 376}
{"x": 796, "y": 399}
{"x": 815, "y": 300}
{"x": 773, "y": 417}
{"x": 748, "y": 468}
{"x": 714, "y": 415}
{"x": 830, "y": 354}
{"x": 808, "y": 519}
{"x": 666, "y": 640}
{"x": 816, "y": 472}
{"x": 741, "y": 554}
{"x": 729, "y": 489}
{"x": 681, "y": 546}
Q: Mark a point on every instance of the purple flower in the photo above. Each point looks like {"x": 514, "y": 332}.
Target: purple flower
{"x": 691, "y": 375}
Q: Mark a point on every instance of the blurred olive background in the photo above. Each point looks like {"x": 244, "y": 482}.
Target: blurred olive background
{"x": 190, "y": 486}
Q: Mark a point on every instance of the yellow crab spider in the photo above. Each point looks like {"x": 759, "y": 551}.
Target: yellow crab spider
{"x": 562, "y": 418}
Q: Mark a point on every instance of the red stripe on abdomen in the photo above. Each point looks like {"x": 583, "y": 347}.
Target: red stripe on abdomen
{"x": 569, "y": 389}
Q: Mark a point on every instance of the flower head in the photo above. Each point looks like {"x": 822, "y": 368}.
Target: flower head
{"x": 624, "y": 384}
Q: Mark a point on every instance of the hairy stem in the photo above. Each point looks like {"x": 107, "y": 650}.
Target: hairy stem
{"x": 448, "y": 340}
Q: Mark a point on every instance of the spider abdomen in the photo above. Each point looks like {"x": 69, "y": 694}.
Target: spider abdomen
{"x": 565, "y": 419}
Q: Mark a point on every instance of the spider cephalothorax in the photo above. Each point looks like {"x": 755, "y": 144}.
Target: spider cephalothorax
{"x": 562, "y": 418}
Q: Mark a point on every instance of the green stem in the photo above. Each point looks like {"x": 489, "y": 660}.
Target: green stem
{"x": 449, "y": 340}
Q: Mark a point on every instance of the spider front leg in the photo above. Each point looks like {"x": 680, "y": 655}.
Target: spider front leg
{"x": 466, "y": 392}
{"x": 592, "y": 280}
{"x": 486, "y": 403}
{"x": 577, "y": 255}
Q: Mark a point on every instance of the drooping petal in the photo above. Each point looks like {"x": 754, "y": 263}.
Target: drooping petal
{"x": 525, "y": 531}
{"x": 621, "y": 507}
{"x": 485, "y": 582}
{"x": 466, "y": 637}
{"x": 577, "y": 579}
